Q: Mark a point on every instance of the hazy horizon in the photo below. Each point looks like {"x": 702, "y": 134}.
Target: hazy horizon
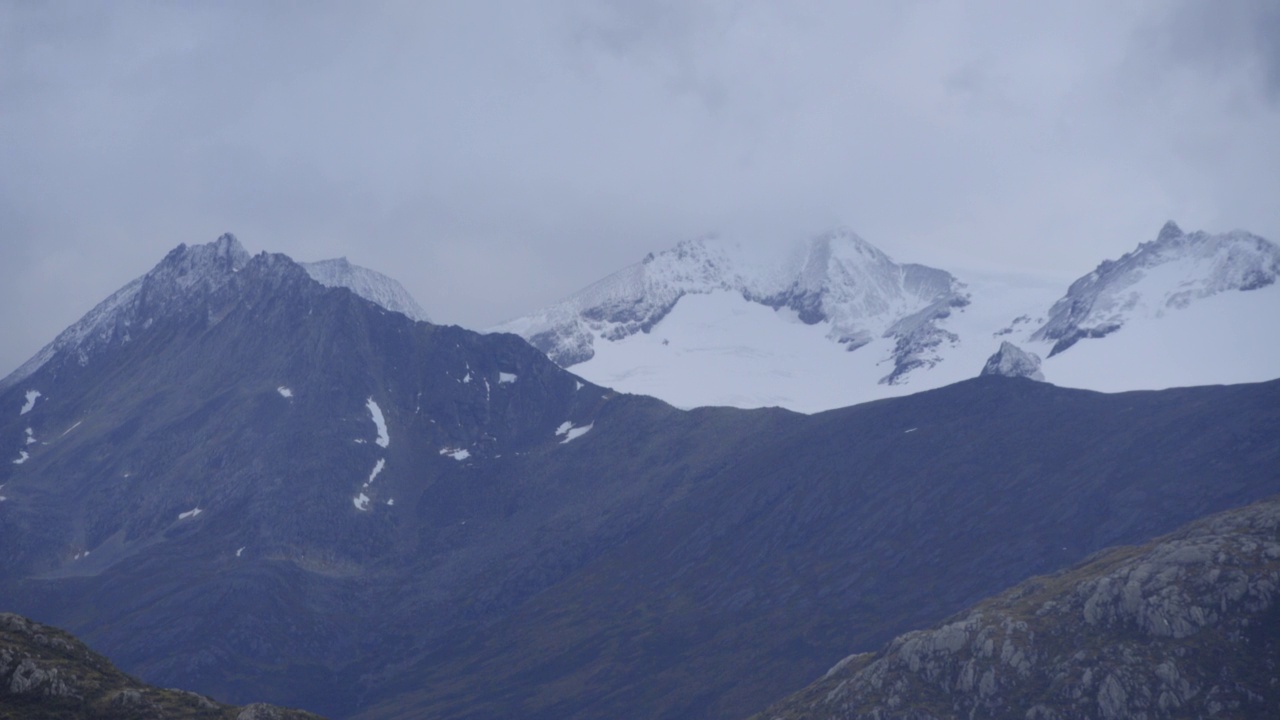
{"x": 494, "y": 158}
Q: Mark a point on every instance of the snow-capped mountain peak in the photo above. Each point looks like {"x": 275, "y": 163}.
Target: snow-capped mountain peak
{"x": 185, "y": 270}
{"x": 715, "y": 322}
{"x": 1165, "y": 274}
{"x": 187, "y": 276}
{"x": 837, "y": 280}
{"x": 368, "y": 284}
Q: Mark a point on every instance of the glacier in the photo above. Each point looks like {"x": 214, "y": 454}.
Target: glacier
{"x": 832, "y": 321}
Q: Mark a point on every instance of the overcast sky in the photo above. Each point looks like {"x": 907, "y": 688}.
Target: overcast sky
{"x": 496, "y": 156}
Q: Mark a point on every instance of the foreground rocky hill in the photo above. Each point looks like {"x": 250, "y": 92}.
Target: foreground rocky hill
{"x": 47, "y": 673}
{"x": 1187, "y": 626}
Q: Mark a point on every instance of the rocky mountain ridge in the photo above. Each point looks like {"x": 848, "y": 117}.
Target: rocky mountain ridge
{"x": 1185, "y": 626}
{"x": 186, "y": 276}
{"x": 185, "y": 271}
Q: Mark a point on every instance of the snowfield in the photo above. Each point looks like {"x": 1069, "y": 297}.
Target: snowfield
{"x": 1184, "y": 309}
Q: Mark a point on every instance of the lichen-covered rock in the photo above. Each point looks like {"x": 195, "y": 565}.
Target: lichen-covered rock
{"x": 259, "y": 711}
{"x": 46, "y": 673}
{"x": 1183, "y": 627}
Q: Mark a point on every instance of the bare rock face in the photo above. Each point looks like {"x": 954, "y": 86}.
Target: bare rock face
{"x": 1012, "y": 361}
{"x": 1183, "y": 627}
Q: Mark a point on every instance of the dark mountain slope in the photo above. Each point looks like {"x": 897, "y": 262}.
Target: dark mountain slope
{"x": 282, "y": 586}
{"x": 401, "y": 518}
{"x": 47, "y": 673}
{"x": 846, "y": 528}
{"x": 1185, "y": 626}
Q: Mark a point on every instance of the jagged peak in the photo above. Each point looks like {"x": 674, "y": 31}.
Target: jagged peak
{"x": 185, "y": 271}
{"x": 846, "y": 246}
{"x": 225, "y": 254}
{"x": 1169, "y": 232}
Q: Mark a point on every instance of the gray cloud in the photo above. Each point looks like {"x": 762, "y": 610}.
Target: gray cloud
{"x": 1225, "y": 39}
{"x": 496, "y": 156}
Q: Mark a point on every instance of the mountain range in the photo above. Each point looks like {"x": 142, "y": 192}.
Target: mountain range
{"x": 234, "y": 478}
{"x": 831, "y": 321}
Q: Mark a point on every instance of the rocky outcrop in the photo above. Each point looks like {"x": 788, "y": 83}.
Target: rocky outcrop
{"x": 46, "y": 673}
{"x": 1012, "y": 361}
{"x": 1183, "y": 627}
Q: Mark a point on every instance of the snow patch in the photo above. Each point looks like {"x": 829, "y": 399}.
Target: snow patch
{"x": 32, "y": 396}
{"x": 31, "y": 438}
{"x": 391, "y": 501}
{"x": 22, "y": 457}
{"x": 909, "y": 430}
{"x": 574, "y": 433}
{"x": 505, "y": 377}
{"x": 239, "y": 552}
{"x": 377, "y": 468}
{"x": 361, "y": 502}
{"x": 458, "y": 454}
{"x": 284, "y": 392}
{"x": 190, "y": 513}
{"x": 383, "y": 439}
{"x": 467, "y": 377}
{"x": 564, "y": 427}
{"x": 577, "y": 385}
